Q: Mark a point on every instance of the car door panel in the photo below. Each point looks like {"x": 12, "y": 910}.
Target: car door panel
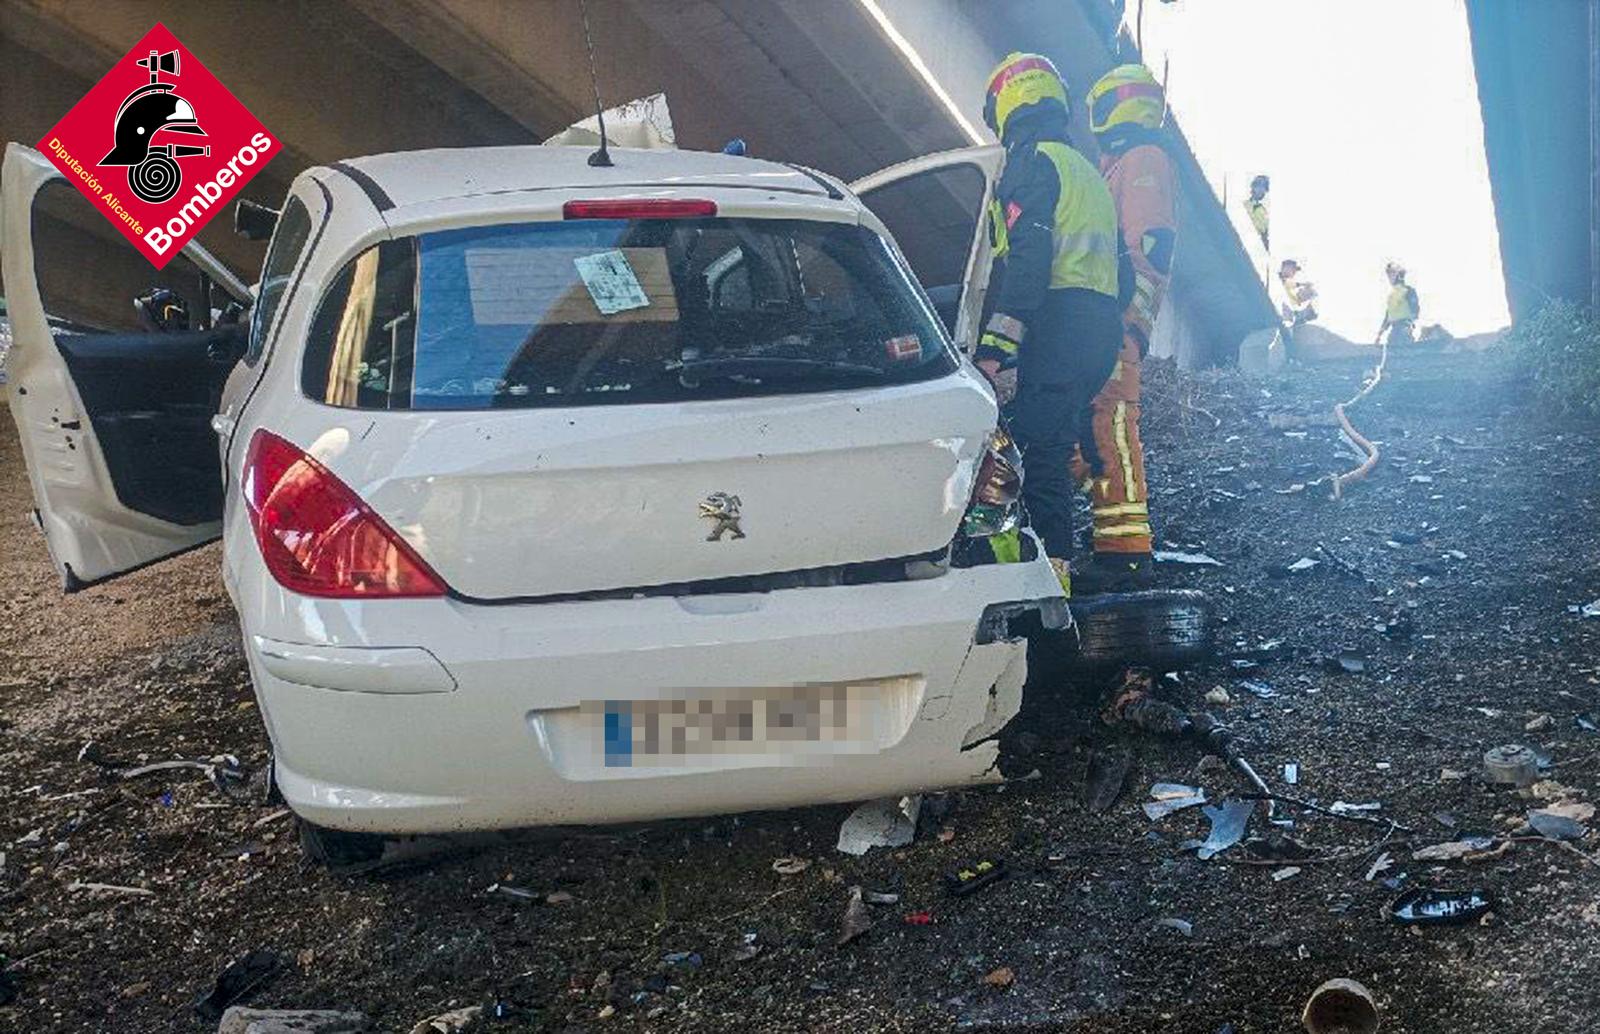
{"x": 114, "y": 427}
{"x": 150, "y": 398}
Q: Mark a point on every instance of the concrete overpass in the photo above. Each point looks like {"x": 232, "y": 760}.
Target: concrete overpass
{"x": 847, "y": 86}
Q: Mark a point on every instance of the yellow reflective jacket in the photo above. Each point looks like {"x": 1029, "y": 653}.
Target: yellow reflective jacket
{"x": 1083, "y": 223}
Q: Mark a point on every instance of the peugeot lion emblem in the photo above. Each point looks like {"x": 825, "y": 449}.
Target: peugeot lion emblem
{"x": 722, "y": 509}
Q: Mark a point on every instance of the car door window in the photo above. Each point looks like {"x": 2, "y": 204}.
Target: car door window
{"x": 933, "y": 217}
{"x": 288, "y": 242}
{"x": 79, "y": 248}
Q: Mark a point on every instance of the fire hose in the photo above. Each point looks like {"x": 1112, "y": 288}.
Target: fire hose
{"x": 1340, "y": 480}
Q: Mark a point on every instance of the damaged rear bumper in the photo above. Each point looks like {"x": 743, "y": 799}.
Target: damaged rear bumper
{"x": 517, "y": 715}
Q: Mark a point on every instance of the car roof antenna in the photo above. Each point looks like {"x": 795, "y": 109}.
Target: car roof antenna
{"x": 602, "y": 157}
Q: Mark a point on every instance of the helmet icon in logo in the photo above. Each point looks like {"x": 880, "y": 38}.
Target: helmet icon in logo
{"x": 153, "y": 173}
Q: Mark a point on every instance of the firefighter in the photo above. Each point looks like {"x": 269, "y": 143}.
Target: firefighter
{"x": 1256, "y": 207}
{"x": 1401, "y": 311}
{"x": 1300, "y": 295}
{"x": 1056, "y": 317}
{"x": 1126, "y": 110}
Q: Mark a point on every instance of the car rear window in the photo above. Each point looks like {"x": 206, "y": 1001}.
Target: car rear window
{"x": 609, "y": 311}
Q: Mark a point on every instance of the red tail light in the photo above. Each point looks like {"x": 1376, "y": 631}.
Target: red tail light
{"x": 640, "y": 208}
{"x": 317, "y": 536}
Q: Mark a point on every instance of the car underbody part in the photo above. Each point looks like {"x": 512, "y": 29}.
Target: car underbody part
{"x": 1511, "y": 765}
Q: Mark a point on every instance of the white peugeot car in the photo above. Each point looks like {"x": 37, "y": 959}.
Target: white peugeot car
{"x": 560, "y": 494}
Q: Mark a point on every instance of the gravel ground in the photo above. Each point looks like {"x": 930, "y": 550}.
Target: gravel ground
{"x": 1469, "y": 571}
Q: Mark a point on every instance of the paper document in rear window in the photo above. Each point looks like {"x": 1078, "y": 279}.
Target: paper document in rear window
{"x": 511, "y": 287}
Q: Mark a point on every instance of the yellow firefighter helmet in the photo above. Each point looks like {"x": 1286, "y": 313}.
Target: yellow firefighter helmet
{"x": 1127, "y": 94}
{"x": 1019, "y": 81}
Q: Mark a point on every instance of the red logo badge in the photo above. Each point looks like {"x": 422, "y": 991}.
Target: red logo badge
{"x": 159, "y": 145}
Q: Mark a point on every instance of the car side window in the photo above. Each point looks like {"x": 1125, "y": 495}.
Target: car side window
{"x": 288, "y": 242}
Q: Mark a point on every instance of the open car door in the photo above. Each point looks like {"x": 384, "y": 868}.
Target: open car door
{"x": 114, "y": 419}
{"x": 935, "y": 207}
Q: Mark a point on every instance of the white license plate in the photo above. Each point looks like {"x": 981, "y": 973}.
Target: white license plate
{"x": 659, "y": 731}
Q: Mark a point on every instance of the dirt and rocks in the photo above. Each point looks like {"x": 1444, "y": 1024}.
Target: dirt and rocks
{"x": 1457, "y": 561}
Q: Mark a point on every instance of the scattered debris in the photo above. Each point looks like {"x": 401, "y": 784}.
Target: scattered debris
{"x": 456, "y": 1020}
{"x": 1228, "y": 823}
{"x": 878, "y": 897}
{"x": 1586, "y": 722}
{"x": 1577, "y": 811}
{"x": 886, "y": 822}
{"x": 1104, "y": 779}
{"x": 1169, "y": 556}
{"x": 112, "y": 888}
{"x": 689, "y": 959}
{"x": 1291, "y": 774}
{"x": 1000, "y": 978}
{"x": 973, "y": 878}
{"x": 1588, "y": 610}
{"x": 1341, "y": 1006}
{"x": 1305, "y": 563}
{"x": 1260, "y": 689}
{"x": 1219, "y": 696}
{"x": 1539, "y": 723}
{"x": 857, "y": 920}
{"x": 1553, "y": 826}
{"x": 1380, "y": 865}
{"x": 240, "y": 1020}
{"x": 1346, "y": 809}
{"x": 1279, "y": 875}
{"x": 1171, "y": 797}
{"x": 790, "y": 866}
{"x": 224, "y": 770}
{"x": 508, "y": 891}
{"x": 1511, "y": 765}
{"x": 237, "y": 979}
{"x": 1439, "y": 907}
{"x": 1348, "y": 661}
{"x": 922, "y": 918}
{"x": 1466, "y": 849}
{"x": 1183, "y": 926}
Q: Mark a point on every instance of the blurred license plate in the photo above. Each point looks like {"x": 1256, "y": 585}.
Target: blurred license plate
{"x": 661, "y": 731}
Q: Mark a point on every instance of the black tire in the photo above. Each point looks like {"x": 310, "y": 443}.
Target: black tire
{"x": 338, "y": 849}
{"x": 1163, "y": 629}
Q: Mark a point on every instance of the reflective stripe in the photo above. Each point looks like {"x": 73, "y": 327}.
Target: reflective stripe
{"x": 1010, "y": 326}
{"x": 1122, "y": 531}
{"x": 1119, "y": 424}
{"x": 1116, "y": 371}
{"x": 1007, "y": 547}
{"x": 1086, "y": 242}
{"x": 999, "y": 233}
{"x": 998, "y": 342}
{"x": 1123, "y": 510}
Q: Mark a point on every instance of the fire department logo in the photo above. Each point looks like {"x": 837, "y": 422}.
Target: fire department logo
{"x": 177, "y": 146}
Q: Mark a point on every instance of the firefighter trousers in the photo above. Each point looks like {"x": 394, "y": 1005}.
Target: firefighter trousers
{"x": 1109, "y": 464}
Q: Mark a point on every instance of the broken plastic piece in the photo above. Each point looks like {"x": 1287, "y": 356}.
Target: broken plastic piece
{"x": 886, "y": 822}
{"x": 236, "y": 980}
{"x": 857, "y": 920}
{"x": 1553, "y": 826}
{"x": 1171, "y": 797}
{"x": 1108, "y": 770}
{"x": 1228, "y": 822}
{"x": 1440, "y": 907}
{"x": 1170, "y": 556}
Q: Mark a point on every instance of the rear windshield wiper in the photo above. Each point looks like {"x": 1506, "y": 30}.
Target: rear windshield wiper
{"x": 758, "y": 365}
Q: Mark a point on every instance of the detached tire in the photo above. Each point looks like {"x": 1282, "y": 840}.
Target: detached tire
{"x": 1164, "y": 629}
